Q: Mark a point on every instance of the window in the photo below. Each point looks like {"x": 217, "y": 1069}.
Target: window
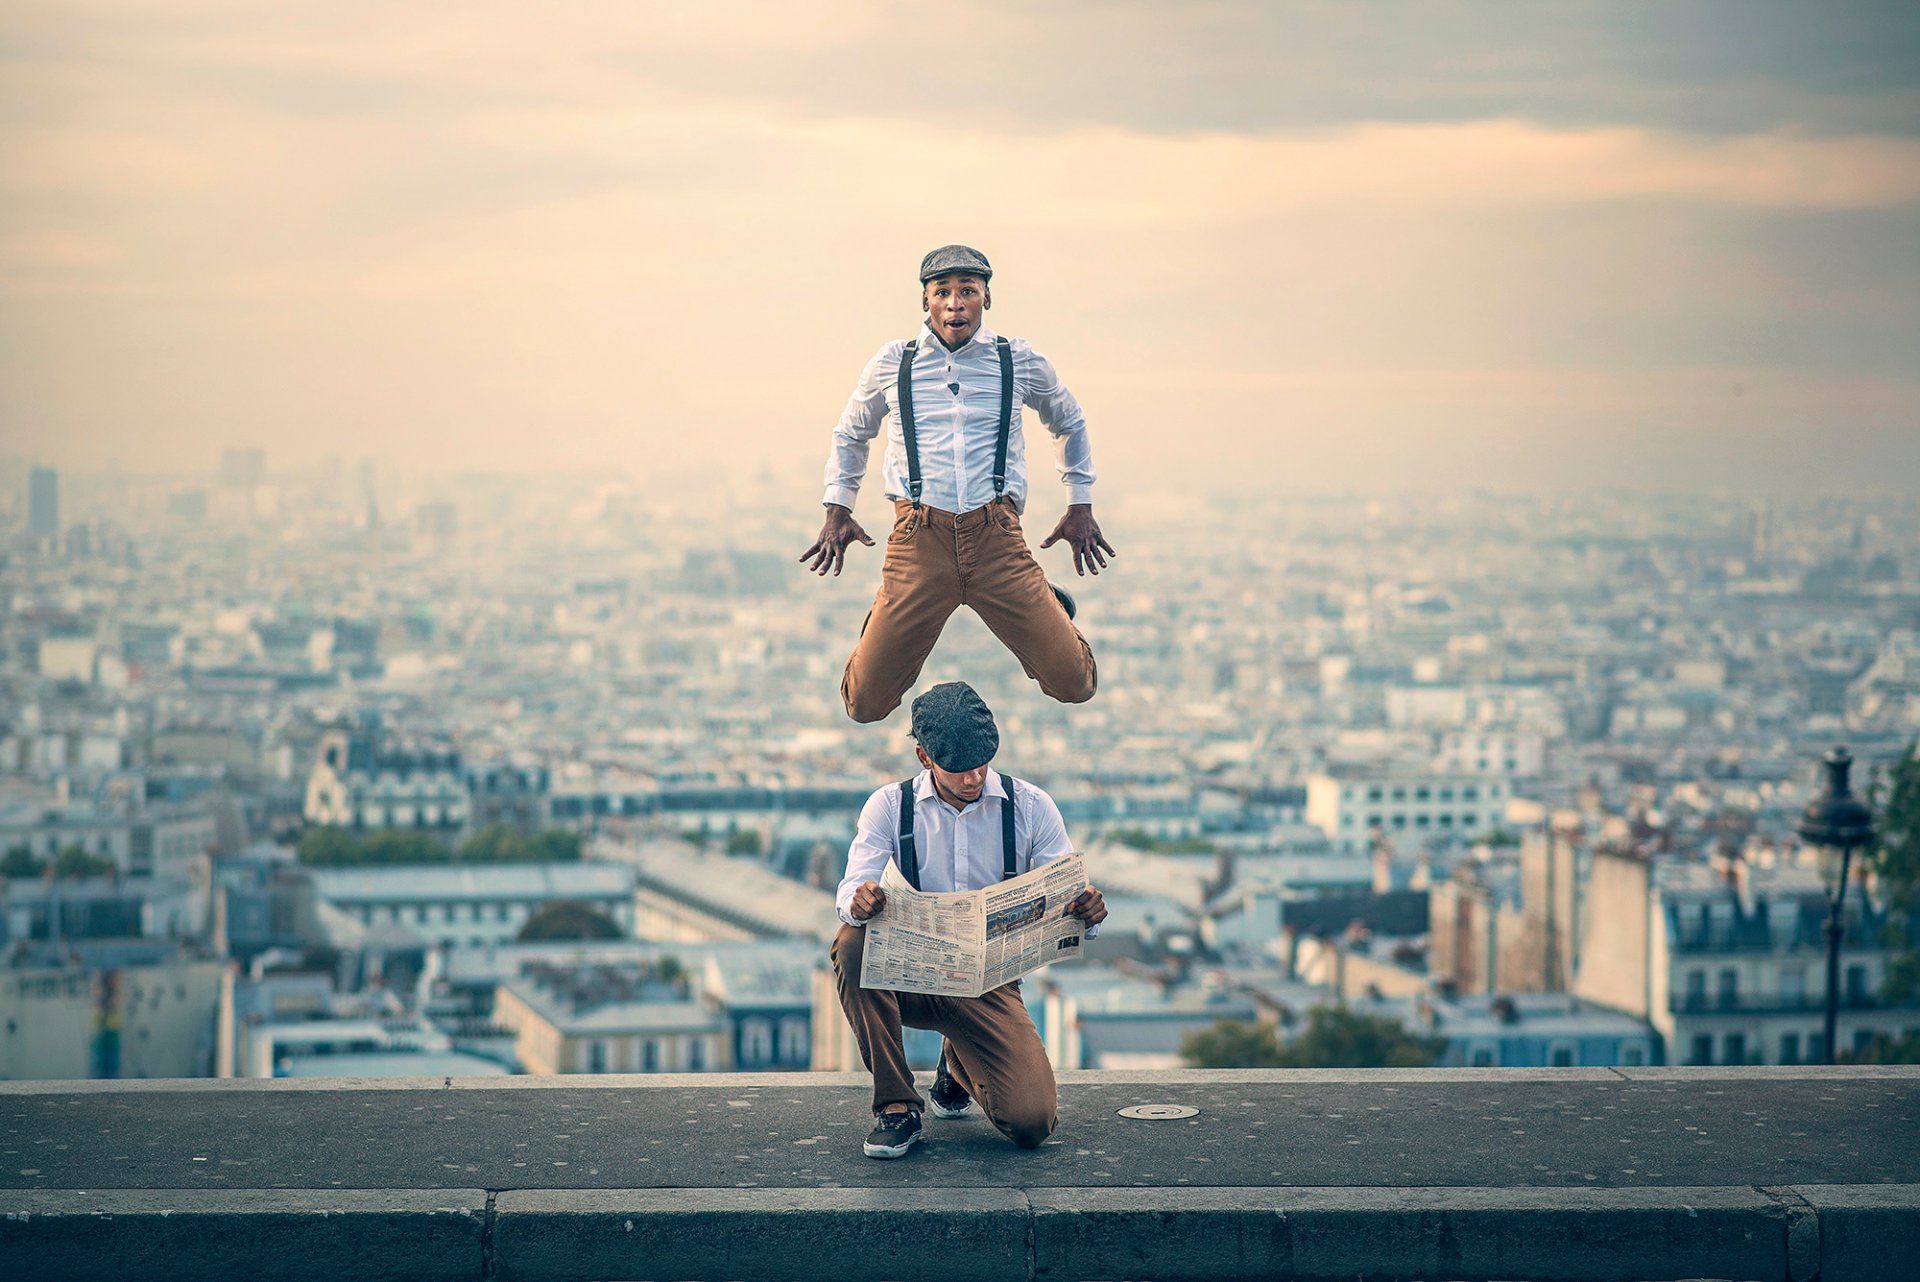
{"x": 1421, "y": 820}
{"x": 1789, "y": 1048}
{"x": 696, "y": 1054}
{"x": 1444, "y": 819}
{"x": 1816, "y": 1048}
{"x": 1863, "y": 1040}
{"x": 1422, "y": 794}
{"x": 1446, "y": 794}
{"x": 1482, "y": 1057}
{"x": 1633, "y": 1055}
{"x": 1399, "y": 794}
{"x": 1561, "y": 1055}
{"x": 1736, "y": 1048}
{"x": 795, "y": 1047}
{"x": 1696, "y": 989}
{"x": 1702, "y": 1050}
{"x": 1793, "y": 990}
{"x": 1856, "y": 985}
{"x": 1399, "y": 821}
{"x": 1373, "y": 794}
{"x": 596, "y": 1056}
{"x": 756, "y": 1041}
{"x": 1470, "y": 794}
{"x": 1729, "y": 988}
{"x": 650, "y": 1055}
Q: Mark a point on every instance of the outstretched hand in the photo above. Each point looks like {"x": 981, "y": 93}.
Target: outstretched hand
{"x": 1082, "y": 533}
{"x": 829, "y": 551}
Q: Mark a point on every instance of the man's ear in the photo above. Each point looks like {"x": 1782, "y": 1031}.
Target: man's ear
{"x": 924, "y": 305}
{"x": 986, "y": 293}
{"x": 921, "y": 753}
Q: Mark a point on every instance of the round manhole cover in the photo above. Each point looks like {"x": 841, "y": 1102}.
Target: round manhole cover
{"x": 1158, "y": 1112}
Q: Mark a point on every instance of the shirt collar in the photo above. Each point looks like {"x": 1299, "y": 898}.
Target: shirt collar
{"x": 923, "y": 789}
{"x": 930, "y": 339}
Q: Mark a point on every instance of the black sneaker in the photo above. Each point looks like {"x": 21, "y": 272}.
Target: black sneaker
{"x": 945, "y": 1095}
{"x": 1064, "y": 597}
{"x": 893, "y": 1134}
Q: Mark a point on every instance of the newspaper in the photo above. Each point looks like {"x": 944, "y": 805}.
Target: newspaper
{"x": 969, "y": 942}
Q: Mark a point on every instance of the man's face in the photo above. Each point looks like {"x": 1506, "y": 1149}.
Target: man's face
{"x": 955, "y": 305}
{"x": 959, "y": 788}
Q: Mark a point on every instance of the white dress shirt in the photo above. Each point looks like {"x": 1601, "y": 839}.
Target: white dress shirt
{"x": 955, "y": 849}
{"x": 956, "y": 416}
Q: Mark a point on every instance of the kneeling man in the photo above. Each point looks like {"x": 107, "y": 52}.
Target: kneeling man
{"x": 965, "y": 827}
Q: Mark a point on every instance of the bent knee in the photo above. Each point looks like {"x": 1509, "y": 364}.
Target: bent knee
{"x": 867, "y": 708}
{"x": 1029, "y": 1130}
{"x": 1076, "y": 691}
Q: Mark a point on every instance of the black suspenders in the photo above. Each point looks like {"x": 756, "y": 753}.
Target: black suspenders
{"x": 905, "y": 383}
{"x": 910, "y": 861}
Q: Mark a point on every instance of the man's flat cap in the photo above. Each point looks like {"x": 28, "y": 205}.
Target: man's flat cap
{"x": 955, "y": 727}
{"x": 955, "y": 258}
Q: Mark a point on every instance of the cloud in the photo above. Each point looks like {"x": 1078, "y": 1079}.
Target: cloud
{"x": 598, "y": 236}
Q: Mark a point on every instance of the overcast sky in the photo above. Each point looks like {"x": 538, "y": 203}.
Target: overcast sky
{"x": 1287, "y": 246}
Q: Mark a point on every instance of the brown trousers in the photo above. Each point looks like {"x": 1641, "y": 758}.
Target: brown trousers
{"x": 936, "y": 562}
{"x": 993, "y": 1049}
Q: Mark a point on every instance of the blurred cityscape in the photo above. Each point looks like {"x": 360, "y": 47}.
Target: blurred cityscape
{"x": 332, "y": 772}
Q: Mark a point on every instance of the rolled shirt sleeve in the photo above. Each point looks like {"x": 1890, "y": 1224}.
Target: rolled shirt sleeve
{"x": 1064, "y": 420}
{"x": 859, "y": 423}
{"x": 873, "y": 841}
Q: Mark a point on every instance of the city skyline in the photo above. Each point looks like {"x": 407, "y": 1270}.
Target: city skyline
{"x": 1348, "y": 252}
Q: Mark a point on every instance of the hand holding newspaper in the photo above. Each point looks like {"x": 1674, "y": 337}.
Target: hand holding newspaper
{"x": 969, "y": 942}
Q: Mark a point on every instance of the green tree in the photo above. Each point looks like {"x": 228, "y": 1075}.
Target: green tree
{"x": 405, "y": 846}
{"x": 328, "y": 848}
{"x": 567, "y": 919}
{"x": 75, "y": 864}
{"x": 743, "y": 841}
{"x": 1896, "y": 864}
{"x": 1886, "y": 1050}
{"x": 1232, "y": 1043}
{"x": 558, "y": 845}
{"x": 1340, "y": 1038}
{"x": 19, "y": 863}
{"x": 1335, "y": 1037}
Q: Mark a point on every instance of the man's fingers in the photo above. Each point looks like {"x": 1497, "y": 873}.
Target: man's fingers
{"x": 1051, "y": 539}
{"x": 1101, "y": 539}
{"x": 862, "y": 536}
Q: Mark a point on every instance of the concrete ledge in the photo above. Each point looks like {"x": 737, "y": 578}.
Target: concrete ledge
{"x": 1837, "y": 1233}
{"x": 1544, "y": 1235}
{"x": 1066, "y": 1077}
{"x": 158, "y": 1235}
{"x": 751, "y": 1235}
{"x": 1867, "y": 1232}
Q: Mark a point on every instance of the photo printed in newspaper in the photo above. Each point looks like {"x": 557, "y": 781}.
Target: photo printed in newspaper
{"x": 965, "y": 943}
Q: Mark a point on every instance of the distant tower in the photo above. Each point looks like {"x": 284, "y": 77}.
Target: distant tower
{"x": 370, "y": 509}
{"x": 43, "y": 503}
{"x": 1760, "y": 534}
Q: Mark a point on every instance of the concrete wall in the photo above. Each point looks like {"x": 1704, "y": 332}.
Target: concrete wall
{"x": 1617, "y": 935}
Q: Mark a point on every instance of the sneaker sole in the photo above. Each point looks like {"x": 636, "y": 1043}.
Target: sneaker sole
{"x": 938, "y": 1111}
{"x": 889, "y": 1151}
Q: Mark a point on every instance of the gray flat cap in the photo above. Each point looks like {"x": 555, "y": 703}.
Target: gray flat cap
{"x": 955, "y": 726}
{"x": 955, "y": 258}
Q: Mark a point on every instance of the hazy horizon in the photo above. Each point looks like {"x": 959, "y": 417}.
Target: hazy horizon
{"x": 1301, "y": 248}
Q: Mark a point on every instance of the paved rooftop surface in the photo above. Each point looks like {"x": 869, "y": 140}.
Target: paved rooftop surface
{"x": 1582, "y": 1128}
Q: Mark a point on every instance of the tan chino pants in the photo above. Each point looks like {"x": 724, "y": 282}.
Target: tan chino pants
{"x": 938, "y": 561}
{"x": 993, "y": 1049}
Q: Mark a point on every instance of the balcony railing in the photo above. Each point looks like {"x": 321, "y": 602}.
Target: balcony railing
{"x": 1766, "y": 1003}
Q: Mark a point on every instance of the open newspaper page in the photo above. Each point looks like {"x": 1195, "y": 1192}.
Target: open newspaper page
{"x": 965, "y": 943}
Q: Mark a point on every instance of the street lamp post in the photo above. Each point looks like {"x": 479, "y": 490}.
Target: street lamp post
{"x": 1836, "y": 823}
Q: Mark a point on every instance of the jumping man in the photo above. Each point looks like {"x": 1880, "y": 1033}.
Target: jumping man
{"x": 957, "y": 474}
